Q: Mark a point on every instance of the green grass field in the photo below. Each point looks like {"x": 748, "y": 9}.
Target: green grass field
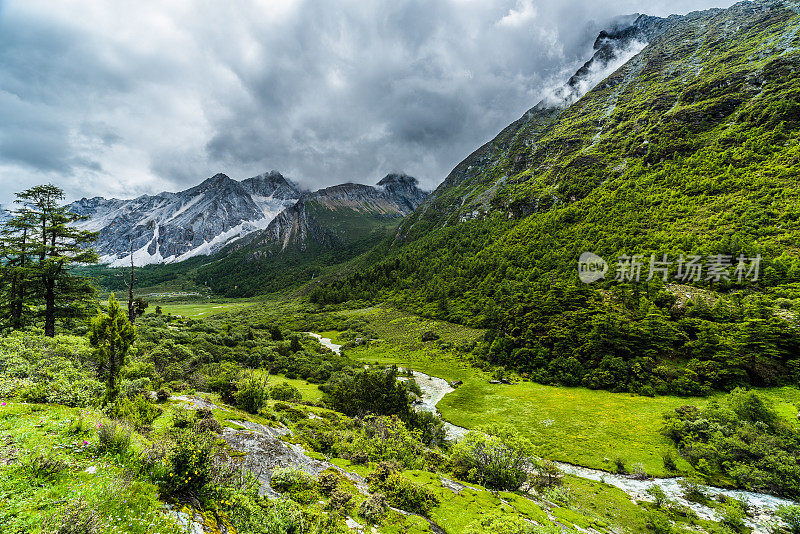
{"x": 309, "y": 391}
{"x": 200, "y": 309}
{"x": 577, "y": 425}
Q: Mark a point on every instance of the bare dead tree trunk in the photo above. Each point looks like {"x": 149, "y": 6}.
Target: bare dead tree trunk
{"x": 129, "y": 283}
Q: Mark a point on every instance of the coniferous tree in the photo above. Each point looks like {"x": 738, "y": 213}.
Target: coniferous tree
{"x": 112, "y": 335}
{"x": 55, "y": 245}
{"x": 15, "y": 267}
{"x": 129, "y": 285}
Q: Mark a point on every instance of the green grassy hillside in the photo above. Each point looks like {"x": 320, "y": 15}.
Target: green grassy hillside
{"x": 692, "y": 147}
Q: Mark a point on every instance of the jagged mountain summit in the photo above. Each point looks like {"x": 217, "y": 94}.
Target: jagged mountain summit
{"x": 171, "y": 227}
{"x": 469, "y": 187}
{"x": 324, "y": 228}
{"x": 321, "y": 218}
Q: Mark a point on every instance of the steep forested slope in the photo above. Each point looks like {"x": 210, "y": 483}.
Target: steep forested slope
{"x": 691, "y": 147}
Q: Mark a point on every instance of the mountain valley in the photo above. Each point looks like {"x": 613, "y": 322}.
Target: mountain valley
{"x": 252, "y": 357}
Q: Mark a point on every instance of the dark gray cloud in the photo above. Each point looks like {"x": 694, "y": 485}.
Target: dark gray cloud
{"x": 118, "y": 98}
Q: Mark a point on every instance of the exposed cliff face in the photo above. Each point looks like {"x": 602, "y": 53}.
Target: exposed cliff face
{"x": 339, "y": 214}
{"x": 171, "y": 227}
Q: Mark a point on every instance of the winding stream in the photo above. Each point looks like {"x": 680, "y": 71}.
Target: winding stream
{"x": 763, "y": 505}
{"x": 326, "y": 342}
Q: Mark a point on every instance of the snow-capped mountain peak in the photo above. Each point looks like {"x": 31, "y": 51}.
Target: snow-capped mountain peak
{"x": 170, "y": 227}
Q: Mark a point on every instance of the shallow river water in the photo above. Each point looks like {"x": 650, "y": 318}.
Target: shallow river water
{"x": 434, "y": 389}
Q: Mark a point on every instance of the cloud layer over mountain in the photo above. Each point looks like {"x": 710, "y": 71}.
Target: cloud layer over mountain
{"x": 121, "y": 98}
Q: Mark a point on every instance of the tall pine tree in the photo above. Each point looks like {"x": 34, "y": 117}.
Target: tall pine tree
{"x": 16, "y": 245}
{"x": 39, "y": 244}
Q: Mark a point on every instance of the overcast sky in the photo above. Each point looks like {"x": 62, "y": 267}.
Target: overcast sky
{"x": 120, "y": 97}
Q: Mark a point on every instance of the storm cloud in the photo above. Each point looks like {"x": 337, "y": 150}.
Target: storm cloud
{"x": 119, "y": 98}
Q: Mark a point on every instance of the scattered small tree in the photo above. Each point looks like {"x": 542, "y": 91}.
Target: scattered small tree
{"x": 658, "y": 495}
{"x": 374, "y": 391}
{"x": 496, "y": 456}
{"x": 112, "y": 335}
{"x": 619, "y": 466}
{"x": 252, "y": 393}
{"x": 140, "y": 305}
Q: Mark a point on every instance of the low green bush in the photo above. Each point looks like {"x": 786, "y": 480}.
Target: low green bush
{"x": 138, "y": 412}
{"x": 285, "y": 392}
{"x": 340, "y": 501}
{"x": 135, "y": 388}
{"x": 383, "y": 438}
{"x": 558, "y": 494}
{"x": 187, "y": 464}
{"x": 78, "y": 424}
{"x": 114, "y": 438}
{"x": 40, "y": 369}
{"x": 619, "y": 466}
{"x": 208, "y": 424}
{"x": 791, "y": 516}
{"x": 733, "y": 516}
{"x": 658, "y": 495}
{"x": 693, "y": 490}
{"x": 668, "y": 459}
{"x": 76, "y": 518}
{"x": 374, "y": 508}
{"x": 251, "y": 394}
{"x": 42, "y": 466}
{"x": 328, "y": 482}
{"x": 296, "y": 483}
{"x": 659, "y": 523}
{"x": 400, "y": 491}
{"x": 495, "y": 456}
{"x": 430, "y": 426}
{"x": 289, "y": 412}
{"x": 183, "y": 417}
{"x": 36, "y": 393}
{"x": 499, "y": 523}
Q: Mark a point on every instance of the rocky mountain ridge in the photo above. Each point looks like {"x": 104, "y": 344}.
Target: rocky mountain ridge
{"x": 171, "y": 227}
{"x": 317, "y": 217}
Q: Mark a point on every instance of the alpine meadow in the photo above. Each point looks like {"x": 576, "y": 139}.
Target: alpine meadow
{"x": 590, "y": 325}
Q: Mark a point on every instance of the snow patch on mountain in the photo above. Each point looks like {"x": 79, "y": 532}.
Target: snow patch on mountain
{"x": 171, "y": 227}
